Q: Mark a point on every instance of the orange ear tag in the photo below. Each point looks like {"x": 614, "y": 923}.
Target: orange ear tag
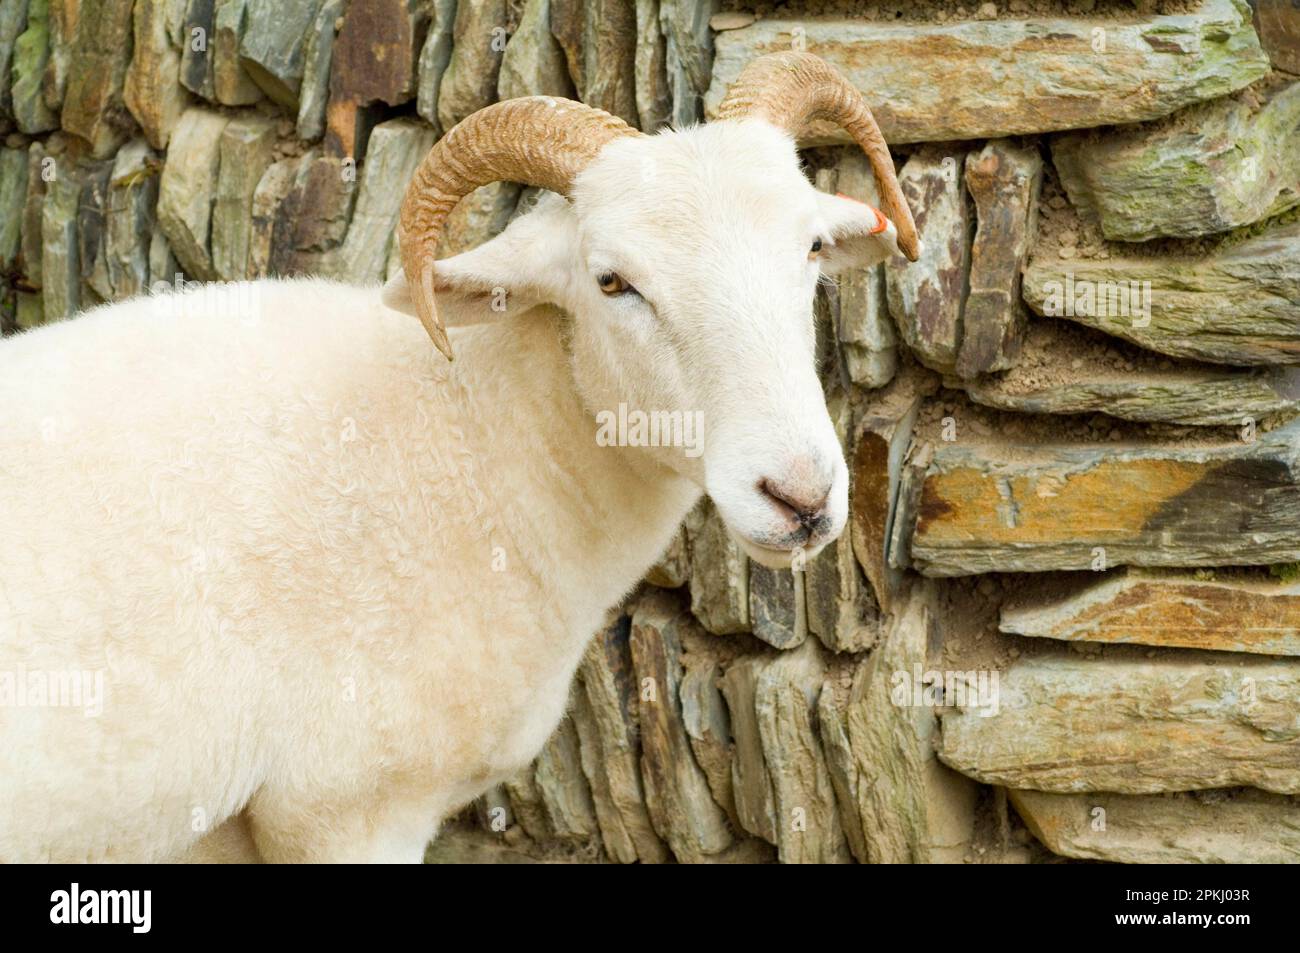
{"x": 881, "y": 222}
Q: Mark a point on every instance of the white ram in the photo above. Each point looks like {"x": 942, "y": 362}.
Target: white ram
{"x": 321, "y": 587}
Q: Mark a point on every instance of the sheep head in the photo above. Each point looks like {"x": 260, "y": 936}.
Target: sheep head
{"x": 687, "y": 262}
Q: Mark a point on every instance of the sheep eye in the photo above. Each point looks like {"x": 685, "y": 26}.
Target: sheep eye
{"x": 816, "y": 248}
{"x": 612, "y": 284}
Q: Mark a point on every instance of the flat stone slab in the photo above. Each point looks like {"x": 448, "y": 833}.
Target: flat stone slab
{"x": 1228, "y": 163}
{"x": 1239, "y": 612}
{"x": 1213, "y": 827}
{"x": 994, "y": 507}
{"x": 980, "y": 79}
{"x": 1134, "y": 727}
{"x": 1067, "y": 370}
{"x": 1238, "y": 305}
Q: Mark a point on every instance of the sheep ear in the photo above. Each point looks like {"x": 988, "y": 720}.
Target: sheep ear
{"x": 857, "y": 234}
{"x": 523, "y": 267}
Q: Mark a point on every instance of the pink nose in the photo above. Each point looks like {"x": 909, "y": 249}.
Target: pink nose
{"x": 803, "y": 502}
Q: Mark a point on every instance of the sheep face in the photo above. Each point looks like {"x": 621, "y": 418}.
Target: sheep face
{"x": 688, "y": 263}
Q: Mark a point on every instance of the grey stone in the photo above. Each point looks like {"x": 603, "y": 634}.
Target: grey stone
{"x": 610, "y": 735}
{"x": 673, "y": 568}
{"x": 563, "y": 787}
{"x": 271, "y": 191}
{"x": 776, "y": 606}
{"x": 231, "y": 83}
{"x": 13, "y": 21}
{"x": 198, "y": 48}
{"x": 40, "y": 168}
{"x": 689, "y": 55}
{"x": 247, "y": 144}
{"x": 470, "y": 80}
{"x": 60, "y": 261}
{"x": 719, "y": 573}
{"x": 929, "y": 81}
{"x": 317, "y": 57}
{"x": 883, "y": 436}
{"x": 1222, "y": 611}
{"x": 312, "y": 221}
{"x": 863, "y": 327}
{"x": 396, "y": 149}
{"x": 707, "y": 723}
{"x": 481, "y": 215}
{"x": 1065, "y": 370}
{"x": 1237, "y": 305}
{"x": 130, "y": 220}
{"x": 30, "y": 56}
{"x": 912, "y": 809}
{"x": 13, "y": 195}
{"x": 654, "y": 97}
{"x": 805, "y": 812}
{"x": 434, "y": 57}
{"x": 93, "y": 107}
{"x": 533, "y": 63}
{"x": 927, "y": 298}
{"x": 189, "y": 184}
{"x": 1208, "y": 169}
{"x": 275, "y": 35}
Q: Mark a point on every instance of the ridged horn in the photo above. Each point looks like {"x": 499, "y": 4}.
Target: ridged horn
{"x": 535, "y": 140}
{"x": 791, "y": 89}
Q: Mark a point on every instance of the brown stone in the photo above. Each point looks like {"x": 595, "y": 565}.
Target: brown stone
{"x": 1198, "y": 827}
{"x": 1278, "y": 25}
{"x": 1069, "y": 724}
{"x": 374, "y": 60}
{"x": 93, "y": 107}
{"x": 1003, "y": 180}
{"x": 153, "y": 91}
{"x": 231, "y": 83}
{"x": 996, "y": 508}
{"x": 883, "y": 436}
{"x": 1229, "y": 612}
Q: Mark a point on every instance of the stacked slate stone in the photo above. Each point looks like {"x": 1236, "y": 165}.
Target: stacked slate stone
{"x": 1065, "y": 619}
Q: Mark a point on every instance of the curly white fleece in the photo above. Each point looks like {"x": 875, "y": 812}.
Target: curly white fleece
{"x": 335, "y": 586}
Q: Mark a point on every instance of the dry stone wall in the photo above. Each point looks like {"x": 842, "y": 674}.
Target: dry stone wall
{"x": 1064, "y": 622}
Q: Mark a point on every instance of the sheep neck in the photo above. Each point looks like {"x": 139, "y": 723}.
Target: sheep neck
{"x": 587, "y": 520}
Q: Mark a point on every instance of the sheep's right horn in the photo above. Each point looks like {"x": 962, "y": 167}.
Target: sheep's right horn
{"x": 536, "y": 140}
{"x": 789, "y": 89}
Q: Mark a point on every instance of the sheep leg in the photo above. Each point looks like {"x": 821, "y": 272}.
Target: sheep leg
{"x": 392, "y": 830}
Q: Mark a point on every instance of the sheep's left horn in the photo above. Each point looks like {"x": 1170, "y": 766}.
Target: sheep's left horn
{"x": 536, "y": 140}
{"x": 790, "y": 89}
